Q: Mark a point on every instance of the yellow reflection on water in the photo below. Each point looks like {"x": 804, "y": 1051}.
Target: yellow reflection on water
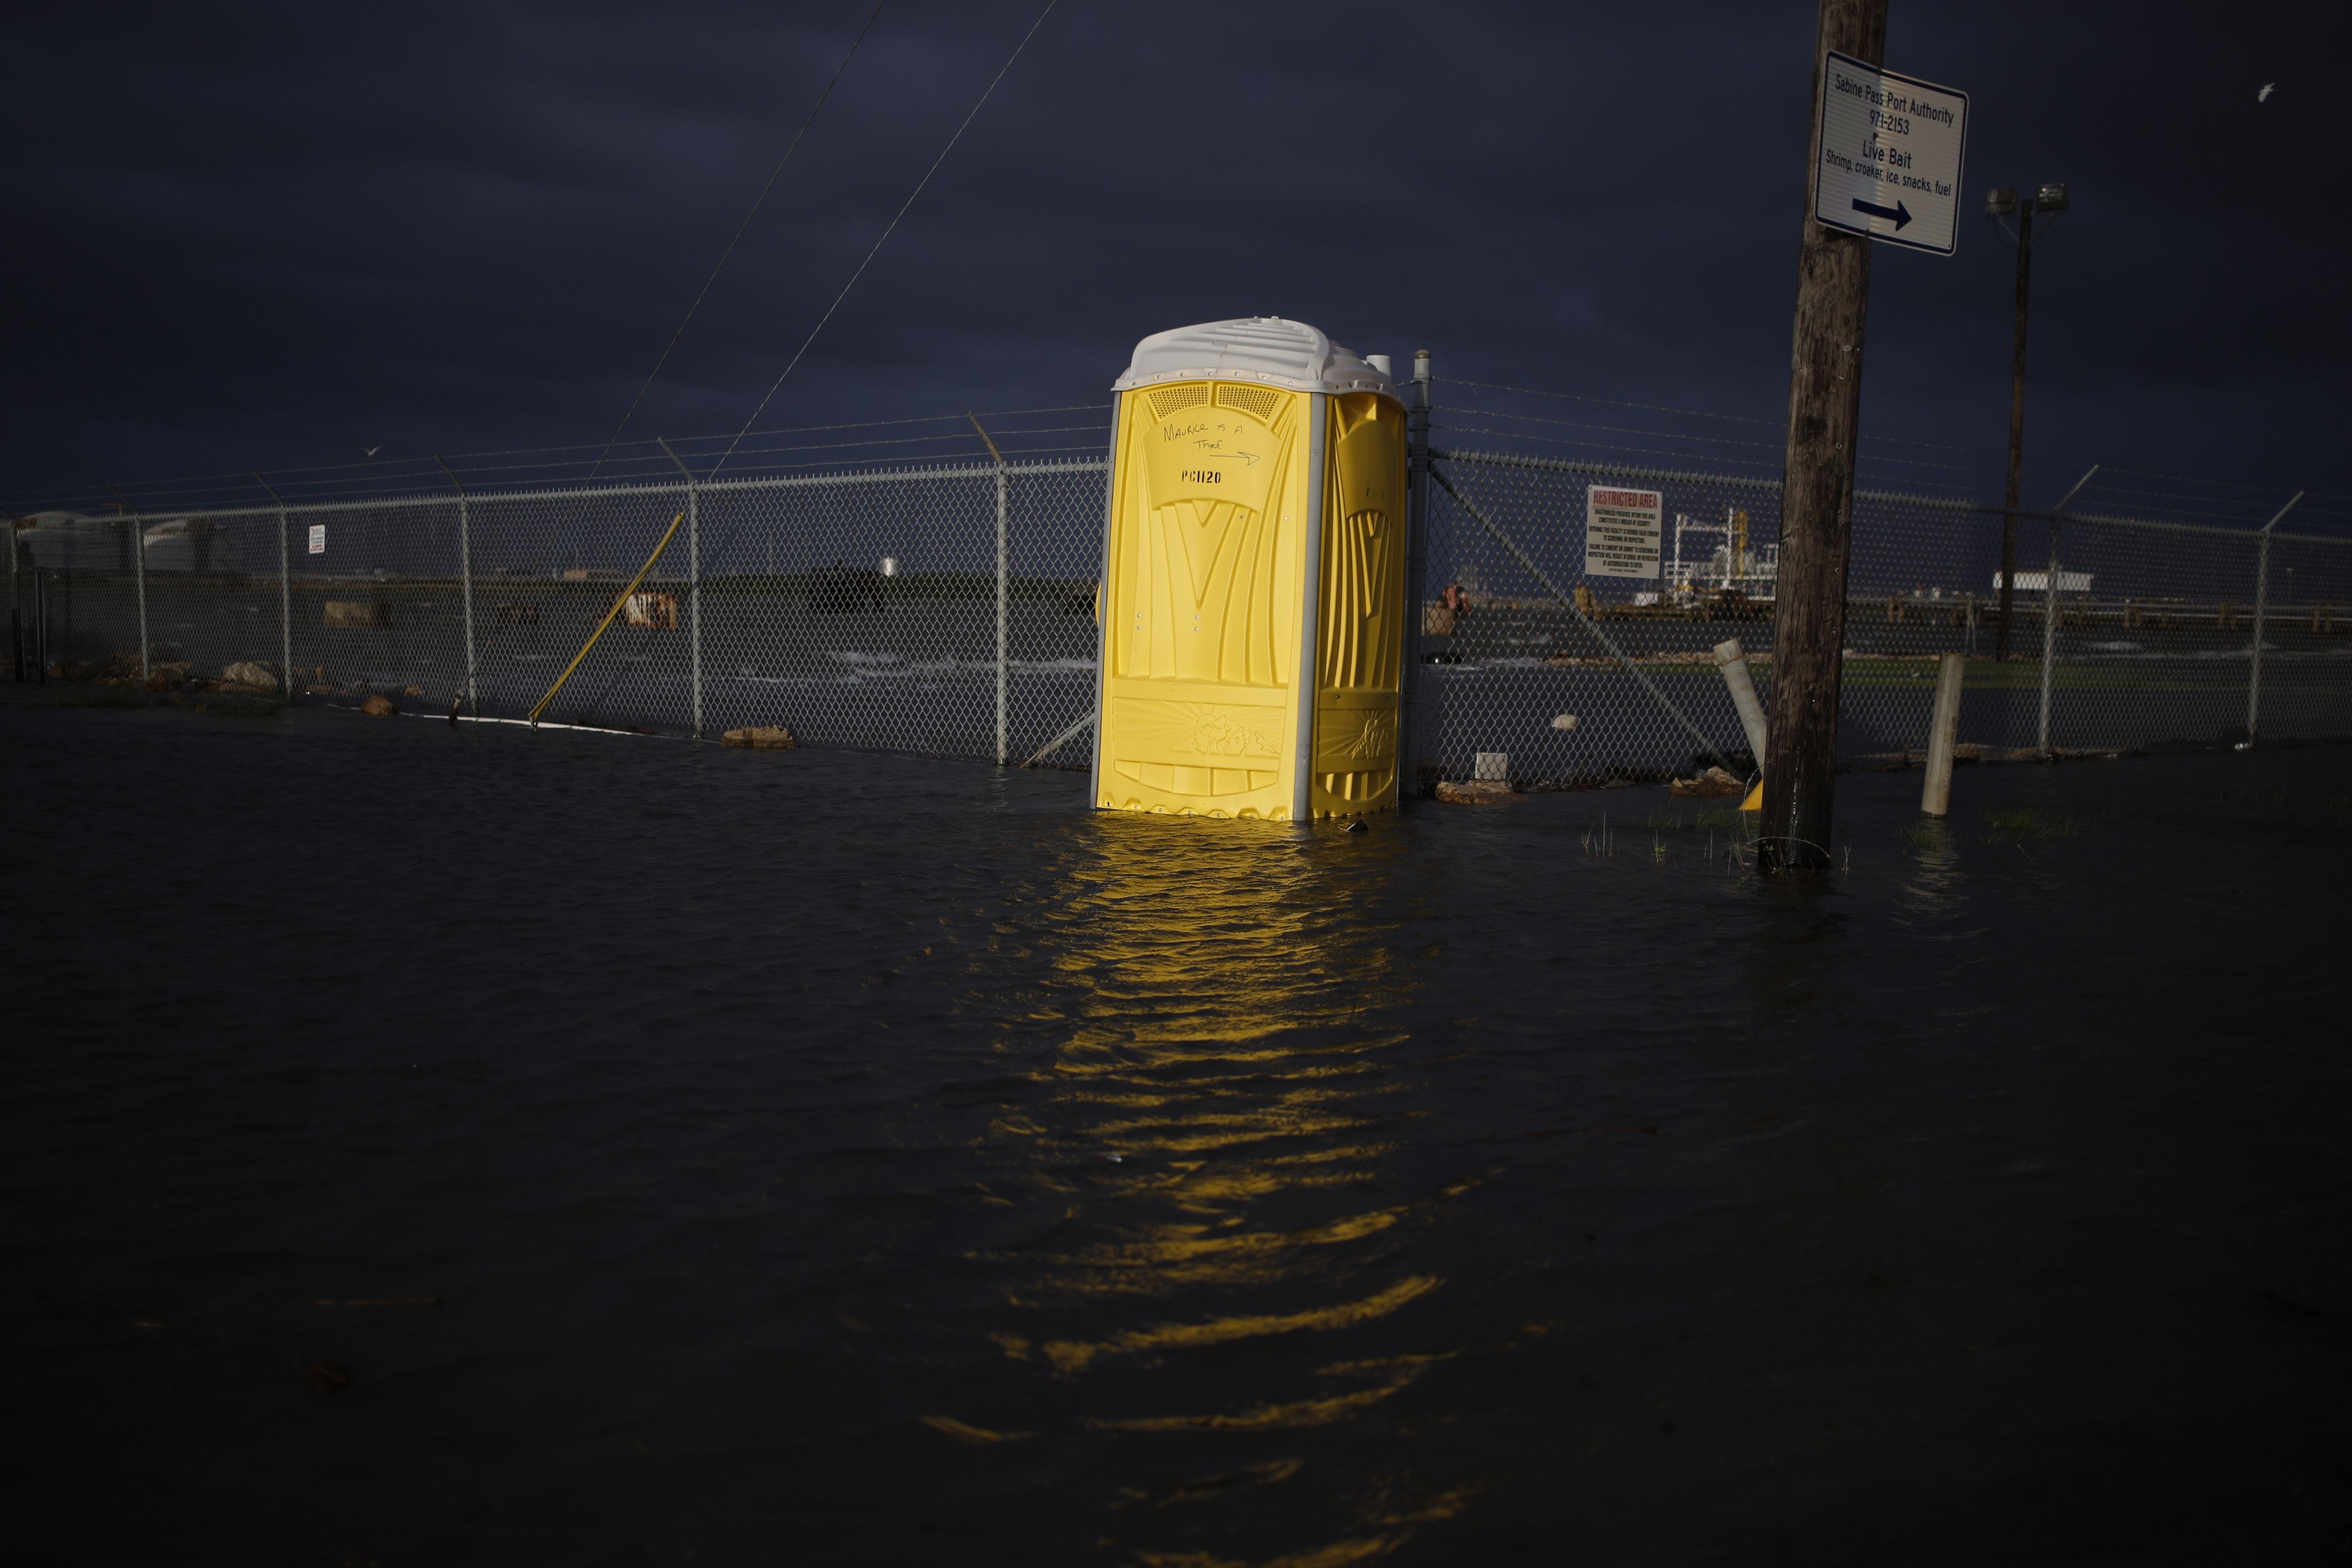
{"x": 1217, "y": 1124}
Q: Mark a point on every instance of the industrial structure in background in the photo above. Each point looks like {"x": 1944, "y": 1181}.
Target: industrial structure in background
{"x": 1735, "y": 566}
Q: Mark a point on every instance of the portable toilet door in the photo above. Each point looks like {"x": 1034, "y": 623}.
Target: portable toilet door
{"x": 1252, "y": 647}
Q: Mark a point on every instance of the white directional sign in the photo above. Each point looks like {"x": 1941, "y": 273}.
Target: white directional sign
{"x": 1621, "y": 531}
{"x": 1891, "y": 151}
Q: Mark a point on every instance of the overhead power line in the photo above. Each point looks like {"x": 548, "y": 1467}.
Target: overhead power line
{"x": 890, "y": 229}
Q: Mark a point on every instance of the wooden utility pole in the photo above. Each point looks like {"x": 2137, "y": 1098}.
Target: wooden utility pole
{"x": 1817, "y": 494}
{"x": 2016, "y": 425}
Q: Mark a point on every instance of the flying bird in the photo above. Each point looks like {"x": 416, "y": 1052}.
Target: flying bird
{"x": 371, "y": 450}
{"x": 2264, "y": 95}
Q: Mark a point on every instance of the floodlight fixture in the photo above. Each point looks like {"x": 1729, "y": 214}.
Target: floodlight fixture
{"x": 2000, "y": 203}
{"x": 2052, "y": 199}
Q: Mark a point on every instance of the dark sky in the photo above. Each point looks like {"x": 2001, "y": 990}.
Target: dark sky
{"x": 269, "y": 237}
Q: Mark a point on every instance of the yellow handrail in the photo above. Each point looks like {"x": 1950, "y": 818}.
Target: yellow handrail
{"x": 617, "y": 602}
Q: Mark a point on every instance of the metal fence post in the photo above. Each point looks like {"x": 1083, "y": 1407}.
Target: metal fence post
{"x": 285, "y": 595}
{"x": 285, "y": 605}
{"x": 693, "y": 584}
{"x": 138, "y": 576}
{"x": 694, "y": 597}
{"x": 466, "y": 693}
{"x": 1943, "y": 732}
{"x": 466, "y": 578}
{"x": 2050, "y": 608}
{"x": 2261, "y": 607}
{"x": 16, "y": 613}
{"x": 1416, "y": 578}
{"x": 2049, "y": 637}
{"x": 1004, "y": 612}
{"x": 1003, "y": 584}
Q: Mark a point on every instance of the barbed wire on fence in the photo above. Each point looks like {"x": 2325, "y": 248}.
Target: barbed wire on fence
{"x": 867, "y": 603}
{"x": 641, "y": 458}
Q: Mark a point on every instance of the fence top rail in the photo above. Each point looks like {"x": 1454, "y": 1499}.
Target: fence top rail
{"x": 929, "y": 473}
{"x": 1882, "y": 497}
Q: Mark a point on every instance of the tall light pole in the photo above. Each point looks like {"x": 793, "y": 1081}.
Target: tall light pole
{"x": 2000, "y": 206}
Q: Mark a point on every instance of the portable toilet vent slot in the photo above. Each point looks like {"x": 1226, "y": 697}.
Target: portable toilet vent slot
{"x": 1254, "y": 579}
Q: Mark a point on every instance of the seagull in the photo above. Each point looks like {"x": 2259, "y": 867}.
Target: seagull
{"x": 2268, "y": 88}
{"x": 371, "y": 450}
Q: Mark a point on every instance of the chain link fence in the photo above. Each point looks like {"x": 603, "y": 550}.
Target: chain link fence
{"x": 945, "y": 609}
{"x": 2121, "y": 632}
{"x": 948, "y": 608}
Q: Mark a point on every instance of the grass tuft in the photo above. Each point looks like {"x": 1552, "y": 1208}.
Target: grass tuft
{"x": 2016, "y": 824}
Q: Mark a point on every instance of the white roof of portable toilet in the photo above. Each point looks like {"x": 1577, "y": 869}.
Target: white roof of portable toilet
{"x": 1261, "y": 349}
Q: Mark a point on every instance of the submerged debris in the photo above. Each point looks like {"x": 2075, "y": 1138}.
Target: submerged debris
{"x": 1714, "y": 782}
{"x": 327, "y": 1376}
{"x": 248, "y": 676}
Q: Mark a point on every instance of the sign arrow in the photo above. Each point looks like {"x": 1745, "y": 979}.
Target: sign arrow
{"x": 1898, "y": 211}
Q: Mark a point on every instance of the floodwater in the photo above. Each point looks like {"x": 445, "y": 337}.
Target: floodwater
{"x": 445, "y": 1146}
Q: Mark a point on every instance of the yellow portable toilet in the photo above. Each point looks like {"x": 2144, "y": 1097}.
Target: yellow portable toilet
{"x": 1253, "y": 595}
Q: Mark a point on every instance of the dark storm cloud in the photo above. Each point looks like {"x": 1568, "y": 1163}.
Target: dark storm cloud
{"x": 265, "y": 235}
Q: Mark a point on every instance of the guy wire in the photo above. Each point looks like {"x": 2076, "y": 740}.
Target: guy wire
{"x": 473, "y": 674}
{"x": 892, "y": 228}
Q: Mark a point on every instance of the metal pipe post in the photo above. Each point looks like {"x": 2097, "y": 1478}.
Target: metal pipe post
{"x": 2052, "y": 603}
{"x": 1943, "y": 733}
{"x": 466, "y": 693}
{"x": 285, "y": 594}
{"x": 1004, "y": 586}
{"x": 138, "y": 576}
{"x": 1004, "y": 618}
{"x": 465, "y": 581}
{"x": 139, "y": 566}
{"x": 1732, "y": 660}
{"x": 1416, "y": 577}
{"x": 694, "y": 596}
{"x": 41, "y": 625}
{"x": 138, "y": 546}
{"x": 2049, "y": 637}
{"x": 2261, "y": 607}
{"x": 694, "y": 583}
{"x": 2254, "y": 660}
{"x": 16, "y": 610}
{"x": 285, "y": 606}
